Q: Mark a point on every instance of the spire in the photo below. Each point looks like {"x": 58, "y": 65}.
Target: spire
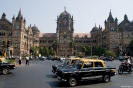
{"x": 110, "y": 18}
{"x": 19, "y": 17}
{"x": 99, "y": 26}
{"x": 13, "y": 17}
{"x": 3, "y": 16}
{"x": 116, "y": 19}
{"x": 19, "y": 14}
{"x": 125, "y": 17}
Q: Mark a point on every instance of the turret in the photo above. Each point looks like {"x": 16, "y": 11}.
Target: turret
{"x": 3, "y": 16}
{"x": 125, "y": 17}
{"x": 110, "y": 18}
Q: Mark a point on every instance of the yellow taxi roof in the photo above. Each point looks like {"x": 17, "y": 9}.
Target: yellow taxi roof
{"x": 91, "y": 60}
{"x": 2, "y": 59}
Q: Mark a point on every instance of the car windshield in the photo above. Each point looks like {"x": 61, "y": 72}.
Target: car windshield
{"x": 67, "y": 61}
{"x": 78, "y": 64}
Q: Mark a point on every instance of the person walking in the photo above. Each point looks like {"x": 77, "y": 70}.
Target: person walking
{"x": 27, "y": 60}
{"x": 20, "y": 60}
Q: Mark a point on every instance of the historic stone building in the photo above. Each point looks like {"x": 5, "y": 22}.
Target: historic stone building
{"x": 114, "y": 37}
{"x": 19, "y": 37}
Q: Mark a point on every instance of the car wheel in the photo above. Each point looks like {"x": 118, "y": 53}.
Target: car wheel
{"x": 120, "y": 71}
{"x": 72, "y": 81}
{"x": 5, "y": 71}
{"x": 106, "y": 78}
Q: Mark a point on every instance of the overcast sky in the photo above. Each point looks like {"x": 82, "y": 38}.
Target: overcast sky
{"x": 86, "y": 13}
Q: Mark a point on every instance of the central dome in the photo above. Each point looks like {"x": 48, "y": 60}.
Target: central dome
{"x": 94, "y": 29}
{"x": 65, "y": 14}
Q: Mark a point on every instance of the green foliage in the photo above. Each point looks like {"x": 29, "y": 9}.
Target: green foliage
{"x": 41, "y": 50}
{"x": 55, "y": 46}
{"x": 88, "y": 51}
{"x": 110, "y": 53}
{"x": 46, "y": 51}
{"x": 98, "y": 51}
{"x": 84, "y": 49}
{"x": 51, "y": 51}
{"x": 33, "y": 50}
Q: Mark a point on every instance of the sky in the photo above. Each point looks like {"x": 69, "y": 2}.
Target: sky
{"x": 86, "y": 13}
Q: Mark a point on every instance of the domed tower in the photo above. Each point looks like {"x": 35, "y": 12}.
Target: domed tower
{"x": 35, "y": 35}
{"x": 64, "y": 33}
{"x": 94, "y": 33}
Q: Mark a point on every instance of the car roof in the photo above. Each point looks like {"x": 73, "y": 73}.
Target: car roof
{"x": 91, "y": 60}
{"x": 2, "y": 59}
{"x": 74, "y": 58}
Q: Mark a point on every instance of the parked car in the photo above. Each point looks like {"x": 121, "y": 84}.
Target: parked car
{"x": 121, "y": 58}
{"x": 107, "y": 58}
{"x": 86, "y": 69}
{"x": 41, "y": 58}
{"x": 5, "y": 67}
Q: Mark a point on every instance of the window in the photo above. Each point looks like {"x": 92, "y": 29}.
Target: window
{"x": 87, "y": 65}
{"x": 98, "y": 64}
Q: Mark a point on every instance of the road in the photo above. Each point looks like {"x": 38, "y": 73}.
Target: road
{"x": 38, "y": 75}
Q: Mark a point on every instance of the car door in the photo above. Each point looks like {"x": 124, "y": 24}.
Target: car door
{"x": 99, "y": 69}
{"x": 87, "y": 72}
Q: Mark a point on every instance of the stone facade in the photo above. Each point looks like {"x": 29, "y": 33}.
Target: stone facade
{"x": 114, "y": 37}
{"x": 20, "y": 37}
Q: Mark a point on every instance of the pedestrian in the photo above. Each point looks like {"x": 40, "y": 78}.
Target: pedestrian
{"x": 20, "y": 60}
{"x": 27, "y": 60}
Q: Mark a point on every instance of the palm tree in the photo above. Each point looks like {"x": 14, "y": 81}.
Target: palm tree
{"x": 72, "y": 45}
{"x": 55, "y": 46}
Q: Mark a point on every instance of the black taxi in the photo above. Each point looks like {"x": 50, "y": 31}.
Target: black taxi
{"x": 86, "y": 69}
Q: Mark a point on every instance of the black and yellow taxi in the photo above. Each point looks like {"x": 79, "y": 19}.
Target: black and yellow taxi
{"x": 5, "y": 66}
{"x": 86, "y": 69}
{"x": 69, "y": 62}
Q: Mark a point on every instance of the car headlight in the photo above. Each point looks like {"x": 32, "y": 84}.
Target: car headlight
{"x": 114, "y": 70}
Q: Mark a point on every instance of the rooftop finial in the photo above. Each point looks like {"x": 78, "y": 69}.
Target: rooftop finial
{"x": 95, "y": 24}
{"x": 64, "y": 8}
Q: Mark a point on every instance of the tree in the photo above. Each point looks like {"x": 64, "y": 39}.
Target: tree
{"x": 110, "y": 53}
{"x": 72, "y": 45}
{"x": 41, "y": 50}
{"x": 51, "y": 51}
{"x": 33, "y": 50}
{"x": 84, "y": 50}
{"x": 88, "y": 50}
{"x": 55, "y": 46}
{"x": 46, "y": 51}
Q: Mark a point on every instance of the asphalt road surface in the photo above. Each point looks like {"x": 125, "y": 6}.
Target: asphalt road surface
{"x": 38, "y": 75}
